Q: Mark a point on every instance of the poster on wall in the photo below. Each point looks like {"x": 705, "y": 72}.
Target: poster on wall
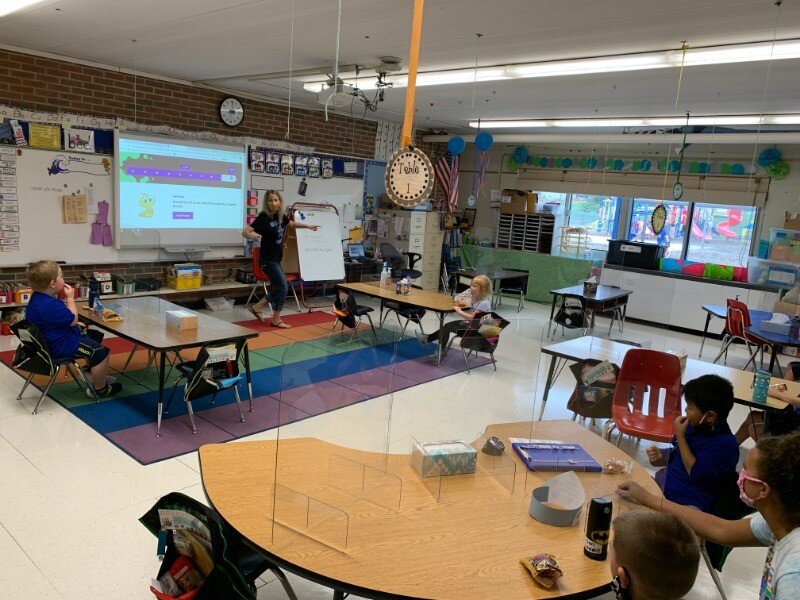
{"x": 43, "y": 136}
{"x": 313, "y": 166}
{"x": 257, "y": 161}
{"x": 327, "y": 168}
{"x": 273, "y": 163}
{"x": 79, "y": 140}
{"x": 301, "y": 166}
{"x": 287, "y": 164}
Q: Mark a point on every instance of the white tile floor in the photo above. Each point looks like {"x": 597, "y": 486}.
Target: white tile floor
{"x": 70, "y": 500}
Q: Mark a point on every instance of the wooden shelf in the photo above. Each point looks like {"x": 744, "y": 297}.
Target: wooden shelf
{"x": 531, "y": 233}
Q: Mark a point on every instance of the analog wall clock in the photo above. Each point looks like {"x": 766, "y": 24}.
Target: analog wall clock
{"x": 409, "y": 177}
{"x": 659, "y": 218}
{"x": 231, "y": 111}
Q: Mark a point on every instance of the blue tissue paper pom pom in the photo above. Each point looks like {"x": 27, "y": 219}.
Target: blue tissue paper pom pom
{"x": 769, "y": 157}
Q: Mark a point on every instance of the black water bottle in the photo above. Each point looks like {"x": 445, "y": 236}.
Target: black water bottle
{"x": 94, "y": 292}
{"x": 598, "y": 525}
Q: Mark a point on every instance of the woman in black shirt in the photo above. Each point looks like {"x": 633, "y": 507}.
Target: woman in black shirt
{"x": 269, "y": 227}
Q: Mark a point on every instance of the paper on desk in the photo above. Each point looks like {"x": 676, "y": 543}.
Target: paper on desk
{"x": 566, "y": 491}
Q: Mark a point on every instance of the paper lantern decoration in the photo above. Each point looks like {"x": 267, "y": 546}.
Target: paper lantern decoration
{"x": 619, "y": 164}
{"x": 725, "y": 169}
{"x": 674, "y": 166}
{"x": 646, "y": 165}
{"x": 636, "y": 165}
{"x": 512, "y": 164}
{"x": 737, "y": 169}
{"x": 583, "y": 163}
{"x": 778, "y": 170}
{"x": 543, "y": 161}
{"x": 592, "y": 163}
{"x": 768, "y": 157}
{"x": 456, "y": 145}
{"x": 520, "y": 154}
{"x": 484, "y": 140}
{"x": 566, "y": 163}
{"x": 703, "y": 167}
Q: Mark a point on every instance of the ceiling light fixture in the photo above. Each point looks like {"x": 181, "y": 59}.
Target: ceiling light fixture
{"x": 719, "y": 121}
{"x": 709, "y": 55}
{"x": 9, "y": 6}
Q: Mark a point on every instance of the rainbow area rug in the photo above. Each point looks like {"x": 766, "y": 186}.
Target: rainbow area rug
{"x": 297, "y": 373}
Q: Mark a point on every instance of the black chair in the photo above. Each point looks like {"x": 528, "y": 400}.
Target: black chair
{"x": 33, "y": 356}
{"x": 397, "y": 261}
{"x": 451, "y": 265}
{"x": 411, "y": 314}
{"x": 235, "y": 562}
{"x": 350, "y": 314}
{"x": 472, "y": 339}
{"x": 215, "y": 370}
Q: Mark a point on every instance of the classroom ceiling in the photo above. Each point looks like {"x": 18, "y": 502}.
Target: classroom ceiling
{"x": 228, "y": 40}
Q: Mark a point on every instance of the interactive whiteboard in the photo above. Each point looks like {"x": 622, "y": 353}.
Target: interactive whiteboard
{"x": 320, "y": 252}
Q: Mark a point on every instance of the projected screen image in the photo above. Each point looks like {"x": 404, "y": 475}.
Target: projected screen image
{"x": 186, "y": 190}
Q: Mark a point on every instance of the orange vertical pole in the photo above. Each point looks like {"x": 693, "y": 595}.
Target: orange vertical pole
{"x": 413, "y": 60}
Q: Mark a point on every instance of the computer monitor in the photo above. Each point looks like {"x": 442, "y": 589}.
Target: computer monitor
{"x": 355, "y": 251}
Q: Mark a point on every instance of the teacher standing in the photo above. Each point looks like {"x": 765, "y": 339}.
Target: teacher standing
{"x": 269, "y": 227}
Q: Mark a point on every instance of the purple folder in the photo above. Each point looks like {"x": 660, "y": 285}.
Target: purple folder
{"x": 555, "y": 457}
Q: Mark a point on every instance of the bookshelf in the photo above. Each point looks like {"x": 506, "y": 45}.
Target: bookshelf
{"x": 527, "y": 232}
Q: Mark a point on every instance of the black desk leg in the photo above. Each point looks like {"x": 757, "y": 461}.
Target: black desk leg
{"x": 552, "y": 312}
{"x": 161, "y": 362}
{"x": 548, "y": 384}
{"x": 705, "y": 333}
{"x": 247, "y": 375}
{"x": 441, "y": 339}
{"x": 338, "y": 595}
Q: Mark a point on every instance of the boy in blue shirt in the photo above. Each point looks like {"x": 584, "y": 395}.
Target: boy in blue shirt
{"x": 704, "y": 452}
{"x": 58, "y": 322}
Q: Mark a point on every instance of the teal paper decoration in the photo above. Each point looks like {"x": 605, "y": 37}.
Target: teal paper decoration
{"x": 646, "y": 164}
{"x": 520, "y": 154}
{"x": 768, "y": 157}
{"x": 592, "y": 163}
{"x": 737, "y": 169}
{"x": 703, "y": 167}
{"x": 543, "y": 161}
{"x": 674, "y": 166}
{"x": 566, "y": 163}
{"x": 618, "y": 164}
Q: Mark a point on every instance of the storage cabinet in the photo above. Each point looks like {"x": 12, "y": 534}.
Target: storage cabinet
{"x": 415, "y": 231}
{"x": 529, "y": 232}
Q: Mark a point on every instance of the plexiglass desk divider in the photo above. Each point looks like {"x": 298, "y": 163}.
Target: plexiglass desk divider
{"x": 502, "y": 468}
{"x": 431, "y": 479}
{"x": 365, "y": 482}
{"x": 311, "y": 517}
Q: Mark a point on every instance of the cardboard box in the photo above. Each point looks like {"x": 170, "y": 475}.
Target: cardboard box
{"x": 181, "y": 319}
{"x": 787, "y": 308}
{"x": 792, "y": 221}
{"x": 517, "y": 202}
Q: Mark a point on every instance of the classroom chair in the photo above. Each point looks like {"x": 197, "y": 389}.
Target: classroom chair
{"x": 349, "y": 314}
{"x": 478, "y": 338}
{"x": 236, "y": 562}
{"x": 33, "y": 356}
{"x": 411, "y": 314}
{"x": 215, "y": 370}
{"x": 397, "y": 261}
{"x": 260, "y": 277}
{"x": 737, "y": 320}
{"x": 646, "y": 372}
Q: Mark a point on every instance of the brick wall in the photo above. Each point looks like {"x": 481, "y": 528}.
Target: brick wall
{"x": 36, "y": 83}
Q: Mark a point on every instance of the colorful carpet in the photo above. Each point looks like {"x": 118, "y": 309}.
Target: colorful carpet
{"x": 297, "y": 373}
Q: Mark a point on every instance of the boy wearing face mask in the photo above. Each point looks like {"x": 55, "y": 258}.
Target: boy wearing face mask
{"x": 704, "y": 451}
{"x": 770, "y": 483}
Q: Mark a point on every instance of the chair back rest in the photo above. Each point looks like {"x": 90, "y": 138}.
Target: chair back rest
{"x": 33, "y": 354}
{"x": 215, "y": 364}
{"x": 392, "y": 255}
{"x": 648, "y": 372}
{"x": 737, "y": 318}
{"x": 258, "y": 272}
{"x": 345, "y": 309}
{"x": 482, "y": 334}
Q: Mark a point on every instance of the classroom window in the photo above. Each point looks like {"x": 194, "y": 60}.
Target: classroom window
{"x": 721, "y": 234}
{"x": 598, "y": 215}
{"x": 674, "y": 231}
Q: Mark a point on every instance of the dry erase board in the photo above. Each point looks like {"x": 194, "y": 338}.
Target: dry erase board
{"x": 319, "y": 252}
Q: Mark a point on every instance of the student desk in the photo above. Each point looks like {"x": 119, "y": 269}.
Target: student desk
{"x": 498, "y": 276}
{"x": 467, "y": 545}
{"x": 144, "y": 323}
{"x": 776, "y": 341}
{"x": 593, "y": 347}
{"x": 606, "y": 298}
{"x": 441, "y": 304}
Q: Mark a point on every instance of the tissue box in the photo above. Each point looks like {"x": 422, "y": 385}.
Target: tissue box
{"x": 443, "y": 458}
{"x": 181, "y": 319}
{"x": 773, "y": 327}
{"x": 589, "y": 287}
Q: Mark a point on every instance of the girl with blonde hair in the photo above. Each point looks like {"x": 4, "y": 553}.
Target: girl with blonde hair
{"x": 481, "y": 290}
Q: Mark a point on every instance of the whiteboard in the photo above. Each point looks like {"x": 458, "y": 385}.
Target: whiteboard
{"x": 320, "y": 251}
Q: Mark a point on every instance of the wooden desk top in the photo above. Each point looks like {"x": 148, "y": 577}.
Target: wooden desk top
{"x": 465, "y": 546}
{"x": 144, "y": 322}
{"x": 603, "y": 293}
{"x": 593, "y": 347}
{"x": 434, "y": 301}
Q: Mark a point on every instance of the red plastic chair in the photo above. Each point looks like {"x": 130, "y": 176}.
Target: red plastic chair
{"x": 643, "y": 376}
{"x": 259, "y": 275}
{"x": 737, "y": 320}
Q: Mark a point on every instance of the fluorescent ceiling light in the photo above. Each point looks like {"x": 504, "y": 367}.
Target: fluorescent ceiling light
{"x": 710, "y": 55}
{"x": 9, "y": 6}
{"x": 710, "y": 121}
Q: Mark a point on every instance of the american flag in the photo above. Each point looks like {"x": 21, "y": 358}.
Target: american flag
{"x": 446, "y": 172}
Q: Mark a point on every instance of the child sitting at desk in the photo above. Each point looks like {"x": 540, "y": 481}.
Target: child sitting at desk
{"x": 58, "y": 322}
{"x": 704, "y": 452}
{"x": 780, "y": 422}
{"x": 643, "y": 543}
{"x": 481, "y": 290}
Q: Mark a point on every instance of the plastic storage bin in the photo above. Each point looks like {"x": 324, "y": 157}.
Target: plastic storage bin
{"x": 773, "y": 273}
{"x": 784, "y": 245}
{"x": 184, "y": 283}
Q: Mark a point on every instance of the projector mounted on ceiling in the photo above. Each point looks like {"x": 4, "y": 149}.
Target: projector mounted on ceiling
{"x": 336, "y": 96}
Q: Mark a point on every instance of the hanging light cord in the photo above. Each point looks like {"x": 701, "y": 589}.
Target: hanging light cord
{"x": 291, "y": 65}
{"x": 336, "y": 64}
{"x": 478, "y": 37}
